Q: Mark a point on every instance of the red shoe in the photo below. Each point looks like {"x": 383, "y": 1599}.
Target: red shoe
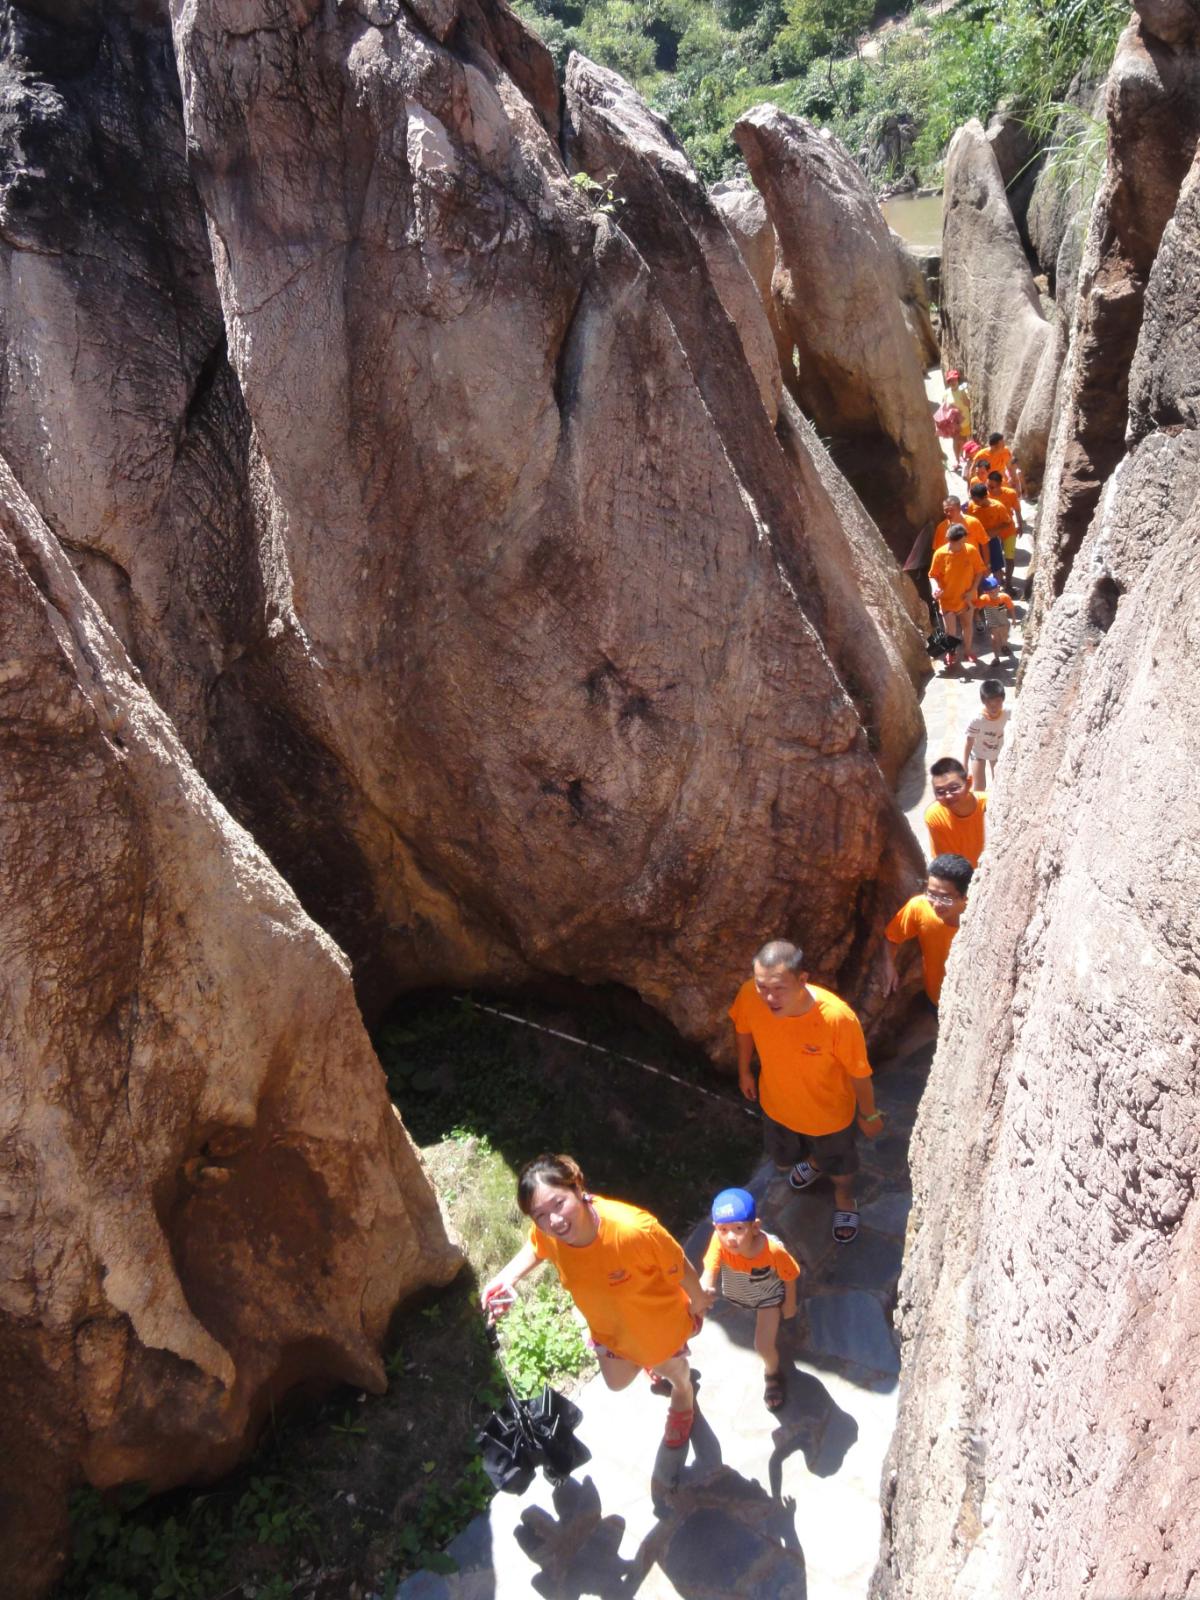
{"x": 974, "y": 660}
{"x": 679, "y": 1428}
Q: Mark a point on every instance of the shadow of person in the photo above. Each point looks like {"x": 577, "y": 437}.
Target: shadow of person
{"x": 813, "y": 1423}
{"x": 725, "y": 1534}
{"x": 674, "y": 1469}
{"x": 715, "y": 1531}
{"x": 577, "y": 1548}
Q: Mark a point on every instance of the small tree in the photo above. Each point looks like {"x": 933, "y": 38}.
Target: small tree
{"x": 832, "y": 27}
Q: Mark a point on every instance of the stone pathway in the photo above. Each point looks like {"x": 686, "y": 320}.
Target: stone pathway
{"x": 758, "y": 1505}
{"x": 780, "y": 1507}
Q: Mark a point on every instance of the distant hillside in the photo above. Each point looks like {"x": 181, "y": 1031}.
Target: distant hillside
{"x": 703, "y": 62}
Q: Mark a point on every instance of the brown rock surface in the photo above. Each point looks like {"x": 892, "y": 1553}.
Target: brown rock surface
{"x": 838, "y": 292}
{"x": 993, "y": 325}
{"x": 1153, "y": 111}
{"x": 207, "y": 1196}
{"x": 914, "y": 298}
{"x": 745, "y": 214}
{"x": 833, "y": 555}
{"x": 1049, "y": 1304}
{"x": 477, "y": 540}
{"x": 516, "y": 535}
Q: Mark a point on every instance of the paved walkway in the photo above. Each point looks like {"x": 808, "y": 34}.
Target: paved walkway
{"x": 775, "y": 1507}
{"x": 778, "y": 1507}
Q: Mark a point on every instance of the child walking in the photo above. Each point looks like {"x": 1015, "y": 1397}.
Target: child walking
{"x": 756, "y": 1272}
{"x": 985, "y": 733}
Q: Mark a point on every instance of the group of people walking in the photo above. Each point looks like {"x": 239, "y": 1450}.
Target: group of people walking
{"x": 801, "y": 1051}
{"x": 975, "y": 545}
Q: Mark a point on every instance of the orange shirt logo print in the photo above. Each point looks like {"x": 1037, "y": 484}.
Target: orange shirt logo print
{"x": 619, "y": 1276}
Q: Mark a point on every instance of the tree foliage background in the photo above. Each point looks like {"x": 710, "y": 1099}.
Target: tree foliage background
{"x": 703, "y": 62}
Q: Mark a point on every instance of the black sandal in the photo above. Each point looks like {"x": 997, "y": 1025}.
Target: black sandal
{"x": 774, "y": 1391}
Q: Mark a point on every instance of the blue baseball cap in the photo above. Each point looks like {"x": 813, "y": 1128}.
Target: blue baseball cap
{"x": 989, "y": 583}
{"x": 734, "y": 1205}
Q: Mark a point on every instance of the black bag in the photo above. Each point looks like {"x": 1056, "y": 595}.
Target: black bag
{"x": 940, "y": 643}
{"x": 525, "y": 1434}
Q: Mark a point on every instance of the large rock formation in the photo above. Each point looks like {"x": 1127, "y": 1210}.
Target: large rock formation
{"x": 831, "y": 551}
{"x": 993, "y": 325}
{"x": 745, "y": 213}
{"x": 492, "y": 528}
{"x": 1061, "y": 201}
{"x": 1153, "y": 111}
{"x": 857, "y": 374}
{"x": 207, "y": 1197}
{"x": 1050, "y": 1304}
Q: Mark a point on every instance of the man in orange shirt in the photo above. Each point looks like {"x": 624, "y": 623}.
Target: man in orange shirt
{"x": 956, "y": 818}
{"x": 1011, "y": 501}
{"x": 932, "y": 920}
{"x": 814, "y": 1084}
{"x": 976, "y": 534}
{"x": 1003, "y": 460}
{"x": 954, "y": 575}
{"x": 996, "y": 520}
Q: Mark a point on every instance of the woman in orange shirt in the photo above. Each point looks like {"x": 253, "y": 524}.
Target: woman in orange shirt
{"x": 636, "y": 1290}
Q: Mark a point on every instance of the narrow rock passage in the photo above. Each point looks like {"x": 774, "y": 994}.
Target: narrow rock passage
{"x": 760, "y": 1505}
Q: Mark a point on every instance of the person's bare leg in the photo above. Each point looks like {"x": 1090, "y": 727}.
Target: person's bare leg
{"x": 678, "y": 1373}
{"x": 617, "y": 1372}
{"x": 977, "y": 773}
{"x": 766, "y": 1337}
{"x": 968, "y": 625}
{"x": 843, "y": 1192}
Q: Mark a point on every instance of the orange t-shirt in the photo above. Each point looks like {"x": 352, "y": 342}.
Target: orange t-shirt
{"x": 1000, "y": 456}
{"x": 981, "y": 465}
{"x": 628, "y": 1282}
{"x": 994, "y": 516}
{"x": 772, "y": 1254}
{"x": 1008, "y": 498}
{"x": 807, "y": 1062}
{"x": 960, "y": 836}
{"x": 976, "y": 534}
{"x": 994, "y": 597}
{"x": 918, "y": 920}
{"x": 954, "y": 571}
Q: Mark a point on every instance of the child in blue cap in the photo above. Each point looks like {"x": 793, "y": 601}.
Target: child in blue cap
{"x": 756, "y": 1272}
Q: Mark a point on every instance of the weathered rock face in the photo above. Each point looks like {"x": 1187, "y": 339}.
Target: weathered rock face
{"x": 993, "y": 325}
{"x": 914, "y": 299}
{"x": 207, "y": 1195}
{"x": 1153, "y": 110}
{"x": 745, "y": 215}
{"x": 497, "y": 685}
{"x": 1015, "y": 148}
{"x": 1049, "y": 1305}
{"x": 833, "y": 555}
{"x": 857, "y": 374}
{"x": 1058, "y": 208}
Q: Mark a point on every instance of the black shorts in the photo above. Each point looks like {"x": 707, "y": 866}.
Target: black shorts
{"x": 835, "y": 1153}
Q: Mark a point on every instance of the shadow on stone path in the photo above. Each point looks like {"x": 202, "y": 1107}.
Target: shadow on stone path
{"x": 762, "y": 1505}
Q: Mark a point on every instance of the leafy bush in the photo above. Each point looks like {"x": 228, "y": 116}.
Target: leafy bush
{"x": 541, "y": 1341}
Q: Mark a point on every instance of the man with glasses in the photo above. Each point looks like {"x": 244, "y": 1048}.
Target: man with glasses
{"x": 932, "y": 920}
{"x": 956, "y": 818}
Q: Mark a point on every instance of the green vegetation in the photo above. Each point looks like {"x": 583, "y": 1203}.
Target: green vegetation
{"x": 702, "y": 63}
{"x": 348, "y": 1489}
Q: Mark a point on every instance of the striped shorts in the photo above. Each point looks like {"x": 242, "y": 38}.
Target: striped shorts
{"x": 755, "y": 1290}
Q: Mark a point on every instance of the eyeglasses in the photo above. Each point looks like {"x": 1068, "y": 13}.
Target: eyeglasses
{"x": 948, "y": 791}
{"x": 937, "y": 898}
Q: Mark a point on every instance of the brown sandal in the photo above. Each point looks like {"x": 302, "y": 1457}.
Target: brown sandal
{"x": 774, "y": 1391}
